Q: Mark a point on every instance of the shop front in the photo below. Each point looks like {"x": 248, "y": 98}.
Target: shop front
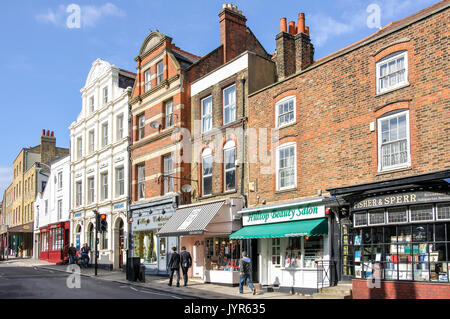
{"x": 205, "y": 229}
{"x": 293, "y": 251}
{"x": 54, "y": 242}
{"x": 3, "y": 241}
{"x": 147, "y": 220}
{"x": 20, "y": 241}
{"x": 400, "y": 237}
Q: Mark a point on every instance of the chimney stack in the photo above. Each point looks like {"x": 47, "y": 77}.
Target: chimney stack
{"x": 233, "y": 32}
{"x": 295, "y": 51}
{"x": 48, "y": 146}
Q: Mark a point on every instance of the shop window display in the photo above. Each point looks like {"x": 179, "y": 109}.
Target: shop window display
{"x": 145, "y": 246}
{"x": 222, "y": 254}
{"x": 313, "y": 248}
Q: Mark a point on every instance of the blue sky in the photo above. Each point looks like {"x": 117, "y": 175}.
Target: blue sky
{"x": 45, "y": 64}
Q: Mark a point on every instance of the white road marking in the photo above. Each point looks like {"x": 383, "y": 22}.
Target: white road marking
{"x": 155, "y": 293}
{"x": 134, "y": 288}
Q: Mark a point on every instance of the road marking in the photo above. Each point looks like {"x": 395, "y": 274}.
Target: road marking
{"x": 134, "y": 288}
{"x": 155, "y": 293}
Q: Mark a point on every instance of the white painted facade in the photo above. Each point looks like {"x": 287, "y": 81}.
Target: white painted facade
{"x": 57, "y": 189}
{"x": 101, "y": 159}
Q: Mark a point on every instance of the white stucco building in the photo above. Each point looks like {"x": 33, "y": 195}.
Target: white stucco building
{"x": 51, "y": 213}
{"x": 99, "y": 162}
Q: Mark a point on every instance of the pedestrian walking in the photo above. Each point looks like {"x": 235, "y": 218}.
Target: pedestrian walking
{"x": 174, "y": 266}
{"x": 186, "y": 263}
{"x": 245, "y": 270}
{"x": 85, "y": 255}
{"x": 72, "y": 251}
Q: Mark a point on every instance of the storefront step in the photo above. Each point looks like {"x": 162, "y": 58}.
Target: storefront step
{"x": 341, "y": 291}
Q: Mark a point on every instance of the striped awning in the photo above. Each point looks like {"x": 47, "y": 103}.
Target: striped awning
{"x": 311, "y": 227}
{"x": 191, "y": 220}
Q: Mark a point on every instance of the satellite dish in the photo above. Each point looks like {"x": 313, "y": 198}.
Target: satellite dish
{"x": 155, "y": 124}
{"x": 186, "y": 188}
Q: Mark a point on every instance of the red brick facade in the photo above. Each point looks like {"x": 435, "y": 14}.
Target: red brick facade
{"x": 336, "y": 102}
{"x": 400, "y": 290}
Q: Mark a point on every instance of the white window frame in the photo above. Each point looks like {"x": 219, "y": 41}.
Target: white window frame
{"x": 168, "y": 114}
{"x": 159, "y": 72}
{"x": 380, "y": 144}
{"x": 91, "y": 190}
{"x": 148, "y": 79}
{"x": 119, "y": 181}
{"x": 279, "y": 148}
{"x": 168, "y": 171}
{"x": 78, "y": 194}
{"x": 229, "y": 146}
{"x": 60, "y": 180}
{"x": 91, "y": 104}
{"x": 433, "y": 213}
{"x": 141, "y": 128}
{"x": 231, "y": 107}
{"x": 140, "y": 181}
{"x": 104, "y": 185}
{"x": 79, "y": 147}
{"x": 59, "y": 209}
{"x": 105, "y": 95}
{"x": 385, "y": 61}
{"x": 284, "y": 101}
{"x": 91, "y": 135}
{"x": 207, "y": 153}
{"x": 119, "y": 123}
{"x": 207, "y": 116}
{"x": 105, "y": 139}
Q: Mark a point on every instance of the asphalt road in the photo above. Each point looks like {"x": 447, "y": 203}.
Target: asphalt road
{"x": 38, "y": 283}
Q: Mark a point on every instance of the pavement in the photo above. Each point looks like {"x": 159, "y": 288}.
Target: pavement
{"x": 195, "y": 289}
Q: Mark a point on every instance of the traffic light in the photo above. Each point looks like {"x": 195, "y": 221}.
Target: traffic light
{"x": 103, "y": 223}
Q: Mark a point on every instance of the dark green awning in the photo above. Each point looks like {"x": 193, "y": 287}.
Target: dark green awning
{"x": 310, "y": 227}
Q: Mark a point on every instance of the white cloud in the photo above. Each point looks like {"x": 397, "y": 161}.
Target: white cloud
{"x": 5, "y": 179}
{"x": 90, "y": 15}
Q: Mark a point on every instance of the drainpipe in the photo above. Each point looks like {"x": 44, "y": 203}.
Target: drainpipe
{"x": 243, "y": 143}
{"x": 130, "y": 184}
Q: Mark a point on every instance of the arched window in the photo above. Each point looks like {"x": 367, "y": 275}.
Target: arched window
{"x": 207, "y": 165}
{"x": 229, "y": 163}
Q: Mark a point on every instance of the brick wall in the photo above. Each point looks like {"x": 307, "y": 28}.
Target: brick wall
{"x": 400, "y": 290}
{"x": 336, "y": 101}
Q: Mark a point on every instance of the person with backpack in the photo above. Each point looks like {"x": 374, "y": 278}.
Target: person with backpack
{"x": 85, "y": 255}
{"x": 245, "y": 270}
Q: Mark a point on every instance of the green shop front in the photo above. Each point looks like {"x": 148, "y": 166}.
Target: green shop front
{"x": 292, "y": 245}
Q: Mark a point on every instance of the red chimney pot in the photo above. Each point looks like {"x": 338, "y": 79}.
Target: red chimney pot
{"x": 301, "y": 23}
{"x": 292, "y": 27}
{"x": 283, "y": 25}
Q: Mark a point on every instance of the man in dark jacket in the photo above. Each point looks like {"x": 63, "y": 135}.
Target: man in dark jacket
{"x": 174, "y": 266}
{"x": 245, "y": 270}
{"x": 186, "y": 263}
{"x": 72, "y": 252}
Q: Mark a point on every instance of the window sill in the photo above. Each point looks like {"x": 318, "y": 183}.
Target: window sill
{"x": 281, "y": 191}
{"x": 285, "y": 126}
{"x": 392, "y": 90}
{"x": 394, "y": 170}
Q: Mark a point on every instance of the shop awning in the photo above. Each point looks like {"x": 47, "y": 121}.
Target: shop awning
{"x": 310, "y": 227}
{"x": 191, "y": 220}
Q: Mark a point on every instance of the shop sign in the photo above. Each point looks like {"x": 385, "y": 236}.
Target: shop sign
{"x": 150, "y": 222}
{"x": 309, "y": 211}
{"x": 400, "y": 199}
{"x": 188, "y": 221}
{"x": 119, "y": 206}
{"x": 77, "y": 215}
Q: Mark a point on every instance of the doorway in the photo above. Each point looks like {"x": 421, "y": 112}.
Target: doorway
{"x": 120, "y": 242}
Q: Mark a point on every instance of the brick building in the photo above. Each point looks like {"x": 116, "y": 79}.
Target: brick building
{"x": 29, "y": 178}
{"x": 219, "y": 169}
{"x": 363, "y": 131}
{"x": 159, "y": 107}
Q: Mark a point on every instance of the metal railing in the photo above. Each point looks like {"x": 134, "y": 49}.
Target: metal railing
{"x": 324, "y": 273}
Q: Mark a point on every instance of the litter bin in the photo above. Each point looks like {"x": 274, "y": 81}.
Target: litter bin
{"x": 133, "y": 270}
{"x": 142, "y": 273}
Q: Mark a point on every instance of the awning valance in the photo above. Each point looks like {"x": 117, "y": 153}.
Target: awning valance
{"x": 311, "y": 227}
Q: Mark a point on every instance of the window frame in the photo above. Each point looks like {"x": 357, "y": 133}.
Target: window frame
{"x": 141, "y": 129}
{"x": 120, "y": 183}
{"x": 91, "y": 104}
{"x": 105, "y": 137}
{"x": 168, "y": 115}
{"x": 159, "y": 72}
{"x": 120, "y": 126}
{"x": 168, "y": 171}
{"x": 386, "y": 60}
{"x": 147, "y": 80}
{"x": 285, "y": 100}
{"x": 78, "y": 193}
{"x": 229, "y": 106}
{"x": 91, "y": 190}
{"x": 380, "y": 143}
{"x": 140, "y": 181}
{"x": 105, "y": 95}
{"x": 229, "y": 146}
{"x": 60, "y": 180}
{"x": 278, "y": 180}
{"x": 206, "y": 154}
{"x": 91, "y": 145}
{"x": 104, "y": 185}
{"x": 79, "y": 147}
{"x": 208, "y": 116}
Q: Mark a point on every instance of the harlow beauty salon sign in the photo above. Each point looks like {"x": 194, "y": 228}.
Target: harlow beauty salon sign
{"x": 280, "y": 215}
